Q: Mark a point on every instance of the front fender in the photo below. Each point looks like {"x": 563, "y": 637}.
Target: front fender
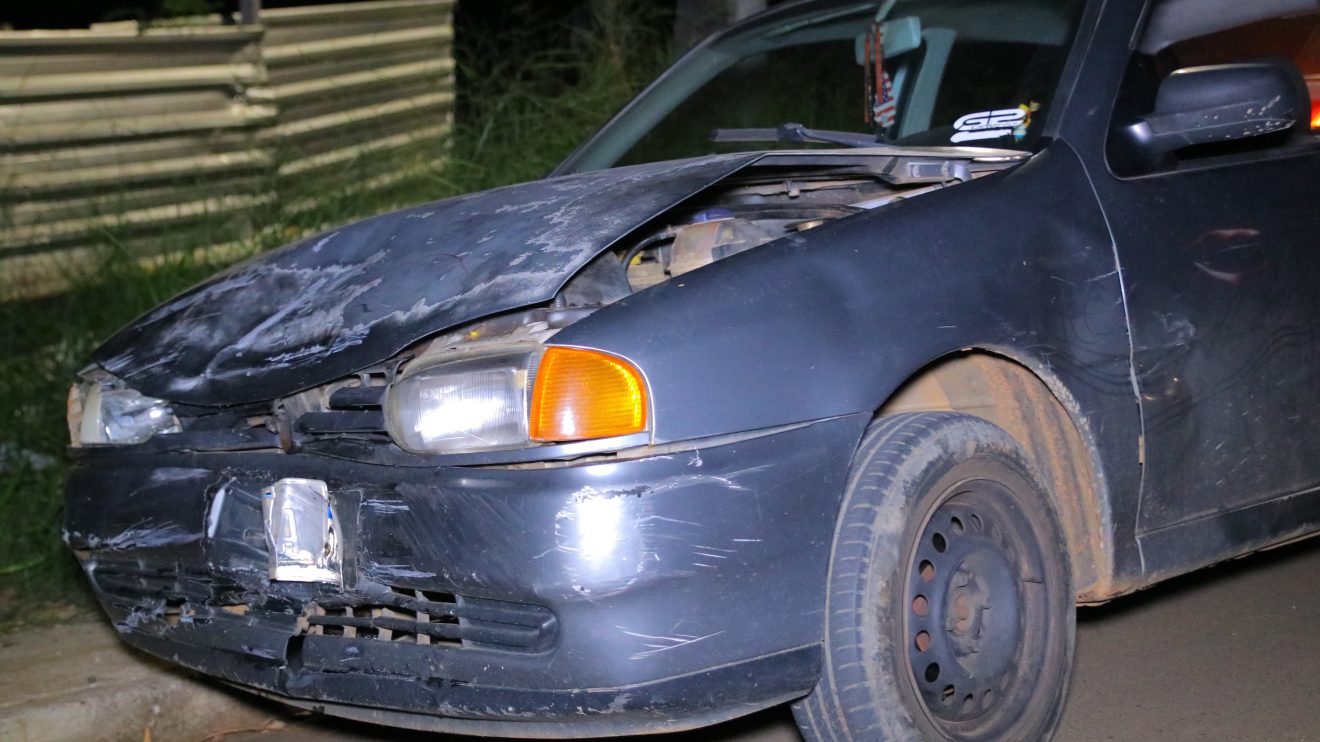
{"x": 832, "y": 321}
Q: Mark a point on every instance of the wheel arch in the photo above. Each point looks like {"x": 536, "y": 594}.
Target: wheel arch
{"x": 1035, "y": 407}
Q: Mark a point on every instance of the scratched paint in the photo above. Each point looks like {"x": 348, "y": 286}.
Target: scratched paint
{"x": 335, "y": 303}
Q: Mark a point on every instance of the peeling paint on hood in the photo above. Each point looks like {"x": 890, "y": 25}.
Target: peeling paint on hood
{"x": 330, "y": 305}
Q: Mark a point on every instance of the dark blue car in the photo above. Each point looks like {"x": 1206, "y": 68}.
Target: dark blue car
{"x": 836, "y": 370}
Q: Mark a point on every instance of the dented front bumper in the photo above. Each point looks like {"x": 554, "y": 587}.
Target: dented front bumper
{"x": 647, "y": 594}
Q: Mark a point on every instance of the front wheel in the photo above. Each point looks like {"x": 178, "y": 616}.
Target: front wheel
{"x": 949, "y": 611}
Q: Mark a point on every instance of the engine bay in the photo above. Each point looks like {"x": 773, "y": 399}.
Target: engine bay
{"x": 757, "y": 207}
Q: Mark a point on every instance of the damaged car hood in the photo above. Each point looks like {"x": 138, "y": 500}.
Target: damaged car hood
{"x": 331, "y": 305}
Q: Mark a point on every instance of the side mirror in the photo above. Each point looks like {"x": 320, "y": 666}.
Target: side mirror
{"x": 1217, "y": 103}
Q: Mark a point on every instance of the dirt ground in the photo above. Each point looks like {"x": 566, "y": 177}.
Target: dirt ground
{"x": 1228, "y": 654}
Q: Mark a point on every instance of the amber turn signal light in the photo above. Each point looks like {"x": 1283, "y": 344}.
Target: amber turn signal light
{"x": 581, "y": 394}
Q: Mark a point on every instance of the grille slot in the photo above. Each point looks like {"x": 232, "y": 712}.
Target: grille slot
{"x": 352, "y": 421}
{"x": 358, "y": 397}
{"x": 353, "y": 412}
{"x": 129, "y": 578}
{"x": 430, "y": 618}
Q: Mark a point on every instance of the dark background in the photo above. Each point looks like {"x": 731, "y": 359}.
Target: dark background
{"x": 29, "y": 14}
{"x": 481, "y": 15}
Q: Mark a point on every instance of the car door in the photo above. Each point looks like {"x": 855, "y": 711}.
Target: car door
{"x": 1220, "y": 254}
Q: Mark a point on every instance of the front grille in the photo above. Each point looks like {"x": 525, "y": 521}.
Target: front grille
{"x": 348, "y": 409}
{"x": 432, "y": 618}
{"x": 166, "y": 581}
{"x": 337, "y": 411}
{"x": 161, "y": 596}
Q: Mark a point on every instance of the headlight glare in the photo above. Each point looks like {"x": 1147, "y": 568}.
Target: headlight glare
{"x": 473, "y": 404}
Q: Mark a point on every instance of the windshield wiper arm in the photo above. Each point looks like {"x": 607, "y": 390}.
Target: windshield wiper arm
{"x": 794, "y": 133}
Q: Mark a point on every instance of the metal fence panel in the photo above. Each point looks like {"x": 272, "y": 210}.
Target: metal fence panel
{"x": 364, "y": 86}
{"x": 121, "y": 136}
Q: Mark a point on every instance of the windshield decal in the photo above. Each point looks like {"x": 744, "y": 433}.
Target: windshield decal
{"x": 994, "y": 124}
{"x": 1020, "y": 131}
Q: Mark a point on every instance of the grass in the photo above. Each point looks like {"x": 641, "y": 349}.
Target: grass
{"x": 522, "y": 113}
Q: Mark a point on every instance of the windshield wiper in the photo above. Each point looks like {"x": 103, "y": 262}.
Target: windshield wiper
{"x": 794, "y": 133}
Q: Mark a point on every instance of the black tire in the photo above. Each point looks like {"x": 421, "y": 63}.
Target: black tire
{"x": 949, "y": 611}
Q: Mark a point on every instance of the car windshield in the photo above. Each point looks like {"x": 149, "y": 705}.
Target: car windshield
{"x": 950, "y": 72}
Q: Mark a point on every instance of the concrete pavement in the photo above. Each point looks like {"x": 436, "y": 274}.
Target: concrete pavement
{"x": 78, "y": 681}
{"x": 1230, "y": 653}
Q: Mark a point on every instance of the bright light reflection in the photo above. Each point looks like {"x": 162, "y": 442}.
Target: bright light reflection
{"x": 568, "y": 422}
{"x": 457, "y": 417}
{"x": 598, "y": 520}
{"x": 601, "y": 470}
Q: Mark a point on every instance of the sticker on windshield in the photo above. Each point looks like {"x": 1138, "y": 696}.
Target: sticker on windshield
{"x": 1020, "y": 131}
{"x": 994, "y": 124}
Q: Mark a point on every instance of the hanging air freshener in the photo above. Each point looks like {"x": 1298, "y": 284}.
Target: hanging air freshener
{"x": 882, "y": 107}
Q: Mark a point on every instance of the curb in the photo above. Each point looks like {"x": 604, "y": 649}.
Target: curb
{"x": 78, "y": 681}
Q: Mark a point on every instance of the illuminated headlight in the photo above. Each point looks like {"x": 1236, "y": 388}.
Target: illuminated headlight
{"x": 102, "y": 411}
{"x": 527, "y": 397}
{"x": 474, "y": 404}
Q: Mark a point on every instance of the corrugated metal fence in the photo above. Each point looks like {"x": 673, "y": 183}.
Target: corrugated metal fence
{"x": 113, "y": 135}
{"x": 354, "y": 80}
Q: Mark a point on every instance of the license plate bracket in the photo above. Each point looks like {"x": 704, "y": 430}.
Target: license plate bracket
{"x": 302, "y": 537}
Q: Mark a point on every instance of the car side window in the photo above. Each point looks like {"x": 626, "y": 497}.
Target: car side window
{"x": 1292, "y": 41}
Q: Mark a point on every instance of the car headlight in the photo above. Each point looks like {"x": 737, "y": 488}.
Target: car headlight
{"x": 515, "y": 399}
{"x": 102, "y": 411}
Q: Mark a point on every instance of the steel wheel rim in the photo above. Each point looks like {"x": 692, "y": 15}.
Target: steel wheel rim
{"x": 973, "y": 608}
